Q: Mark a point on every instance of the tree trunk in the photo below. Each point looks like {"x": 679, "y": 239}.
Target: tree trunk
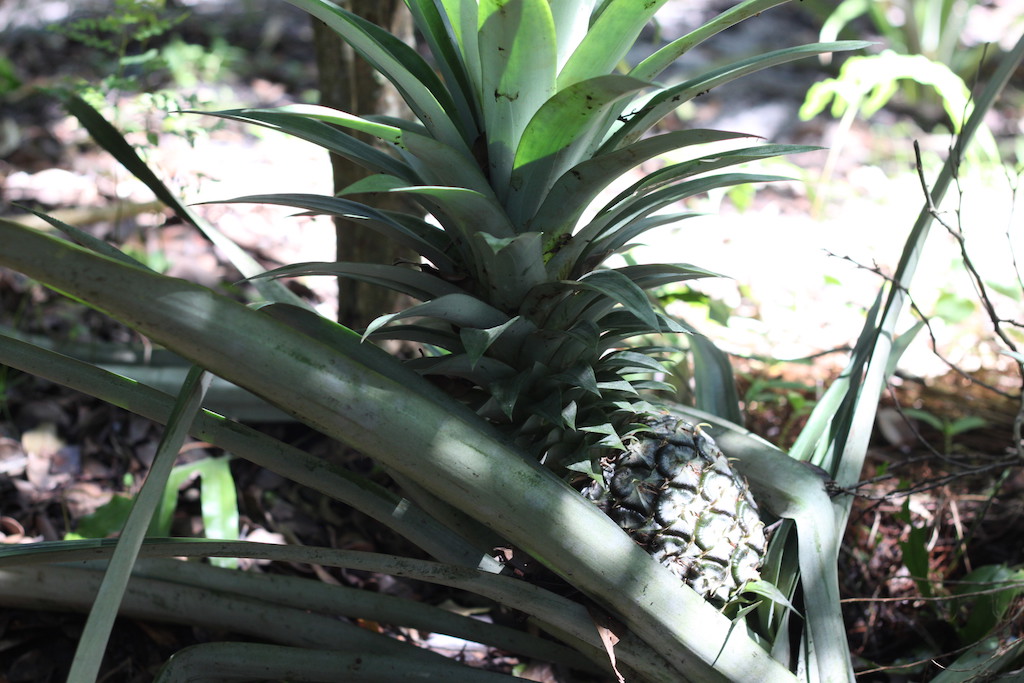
{"x": 349, "y": 83}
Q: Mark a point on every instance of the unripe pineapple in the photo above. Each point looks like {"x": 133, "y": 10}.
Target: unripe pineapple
{"x": 525, "y": 123}
{"x": 675, "y": 493}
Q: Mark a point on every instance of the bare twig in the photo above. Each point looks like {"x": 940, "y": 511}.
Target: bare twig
{"x": 981, "y": 289}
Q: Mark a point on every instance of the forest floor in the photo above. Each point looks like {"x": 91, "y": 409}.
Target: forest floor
{"x": 805, "y": 260}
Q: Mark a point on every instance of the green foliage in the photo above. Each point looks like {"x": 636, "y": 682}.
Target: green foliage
{"x": 124, "y": 35}
{"x": 948, "y": 428}
{"x": 107, "y": 520}
{"x": 954, "y": 308}
{"x": 130, "y": 21}
{"x": 9, "y": 80}
{"x": 985, "y": 595}
{"x": 931, "y": 28}
{"x": 217, "y": 498}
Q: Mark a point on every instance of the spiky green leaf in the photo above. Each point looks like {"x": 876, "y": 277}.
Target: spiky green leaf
{"x": 420, "y": 87}
{"x": 653, "y": 65}
{"x": 573, "y": 192}
{"x": 620, "y": 289}
{"x": 477, "y": 340}
{"x": 668, "y": 99}
{"x": 513, "y": 266}
{"x": 649, "y": 276}
{"x": 458, "y": 309}
{"x": 415, "y": 233}
{"x": 415, "y": 283}
{"x": 322, "y": 135}
{"x": 608, "y": 40}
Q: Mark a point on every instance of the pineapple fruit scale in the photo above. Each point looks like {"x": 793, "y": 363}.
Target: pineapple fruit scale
{"x": 674, "y": 492}
{"x": 526, "y": 119}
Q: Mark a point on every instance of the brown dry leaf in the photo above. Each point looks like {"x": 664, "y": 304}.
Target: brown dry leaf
{"x": 42, "y": 446}
{"x": 82, "y": 498}
{"x": 12, "y": 457}
{"x": 11, "y": 530}
{"x": 604, "y": 625}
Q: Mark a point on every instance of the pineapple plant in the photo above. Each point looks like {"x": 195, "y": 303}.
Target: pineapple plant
{"x": 525, "y": 118}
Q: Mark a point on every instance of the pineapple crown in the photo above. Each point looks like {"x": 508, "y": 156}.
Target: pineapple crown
{"x": 525, "y": 117}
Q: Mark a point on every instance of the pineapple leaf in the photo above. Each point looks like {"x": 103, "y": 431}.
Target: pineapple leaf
{"x": 407, "y": 230}
{"x": 620, "y": 324}
{"x": 580, "y": 375}
{"x": 573, "y": 192}
{"x": 619, "y": 385}
{"x": 444, "y": 48}
{"x": 617, "y": 288}
{"x": 587, "y": 467}
{"x": 434, "y": 162}
{"x": 514, "y": 266}
{"x": 558, "y": 134}
{"x": 507, "y": 392}
{"x": 422, "y": 334}
{"x": 415, "y": 283}
{"x": 323, "y": 135}
{"x": 108, "y": 137}
{"x": 572, "y": 21}
{"x": 476, "y": 341}
{"x": 631, "y": 361}
{"x": 518, "y": 58}
{"x": 653, "y": 65}
{"x": 670, "y": 98}
{"x": 461, "y": 211}
{"x": 568, "y": 415}
{"x": 463, "y": 21}
{"x": 652, "y": 385}
{"x": 675, "y": 172}
{"x": 714, "y": 383}
{"x": 646, "y": 200}
{"x": 649, "y": 276}
{"x": 608, "y": 40}
{"x": 483, "y": 372}
{"x": 611, "y": 437}
{"x": 568, "y": 259}
{"x": 612, "y": 227}
{"x": 422, "y": 90}
{"x": 458, "y": 309}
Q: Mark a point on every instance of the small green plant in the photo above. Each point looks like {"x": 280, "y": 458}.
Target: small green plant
{"x": 217, "y": 499}
{"x": 978, "y": 606}
{"x": 948, "y": 428}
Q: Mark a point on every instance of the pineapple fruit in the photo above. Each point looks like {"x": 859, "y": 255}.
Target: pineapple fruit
{"x": 675, "y": 493}
{"x": 525, "y": 120}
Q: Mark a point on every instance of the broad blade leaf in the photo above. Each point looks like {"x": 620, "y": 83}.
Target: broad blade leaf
{"x": 608, "y": 40}
{"x": 518, "y": 58}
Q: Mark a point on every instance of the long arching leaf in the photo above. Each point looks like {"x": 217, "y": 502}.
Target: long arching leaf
{"x": 411, "y": 75}
{"x": 425, "y": 239}
{"x": 668, "y": 99}
{"x": 339, "y": 142}
{"x": 415, "y": 283}
{"x": 573, "y": 192}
